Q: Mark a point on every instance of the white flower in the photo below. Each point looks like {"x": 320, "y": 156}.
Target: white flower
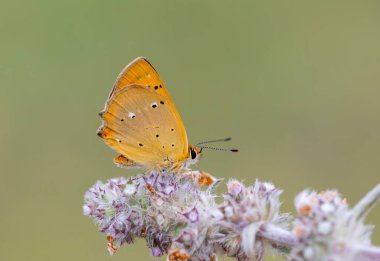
{"x": 246, "y": 210}
{"x": 327, "y": 229}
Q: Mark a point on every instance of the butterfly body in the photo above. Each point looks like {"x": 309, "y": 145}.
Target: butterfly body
{"x": 141, "y": 123}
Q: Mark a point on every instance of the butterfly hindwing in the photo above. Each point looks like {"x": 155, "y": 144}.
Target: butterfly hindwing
{"x": 144, "y": 126}
{"x": 123, "y": 162}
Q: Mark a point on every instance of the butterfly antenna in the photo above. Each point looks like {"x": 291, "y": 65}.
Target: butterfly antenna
{"x": 220, "y": 149}
{"x": 212, "y": 141}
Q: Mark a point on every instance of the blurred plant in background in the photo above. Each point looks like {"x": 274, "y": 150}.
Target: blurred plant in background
{"x": 179, "y": 216}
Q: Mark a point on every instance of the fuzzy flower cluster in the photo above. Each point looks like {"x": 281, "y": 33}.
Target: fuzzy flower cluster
{"x": 180, "y": 216}
{"x": 150, "y": 206}
{"x": 246, "y": 211}
{"x": 328, "y": 230}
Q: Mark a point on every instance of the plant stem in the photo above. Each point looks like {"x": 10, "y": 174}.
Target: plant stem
{"x": 367, "y": 202}
{"x": 367, "y": 253}
{"x": 277, "y": 235}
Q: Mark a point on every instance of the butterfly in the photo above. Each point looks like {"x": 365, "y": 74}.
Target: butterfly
{"x": 141, "y": 122}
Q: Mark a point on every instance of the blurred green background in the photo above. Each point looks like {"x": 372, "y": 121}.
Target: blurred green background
{"x": 295, "y": 83}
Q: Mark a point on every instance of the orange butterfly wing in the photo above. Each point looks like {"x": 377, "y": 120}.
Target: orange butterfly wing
{"x": 140, "y": 124}
{"x": 141, "y": 72}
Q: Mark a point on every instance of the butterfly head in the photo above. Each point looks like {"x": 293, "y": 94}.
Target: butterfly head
{"x": 195, "y": 153}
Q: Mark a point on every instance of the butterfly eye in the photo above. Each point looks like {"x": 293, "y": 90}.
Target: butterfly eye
{"x": 193, "y": 153}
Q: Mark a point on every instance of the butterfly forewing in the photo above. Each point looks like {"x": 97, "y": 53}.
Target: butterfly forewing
{"x": 144, "y": 126}
{"x": 141, "y": 72}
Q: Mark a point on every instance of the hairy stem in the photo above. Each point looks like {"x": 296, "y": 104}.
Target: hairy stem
{"x": 367, "y": 202}
{"x": 367, "y": 253}
{"x": 277, "y": 235}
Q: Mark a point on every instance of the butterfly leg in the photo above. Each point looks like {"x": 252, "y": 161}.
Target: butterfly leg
{"x": 178, "y": 168}
{"x": 123, "y": 162}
